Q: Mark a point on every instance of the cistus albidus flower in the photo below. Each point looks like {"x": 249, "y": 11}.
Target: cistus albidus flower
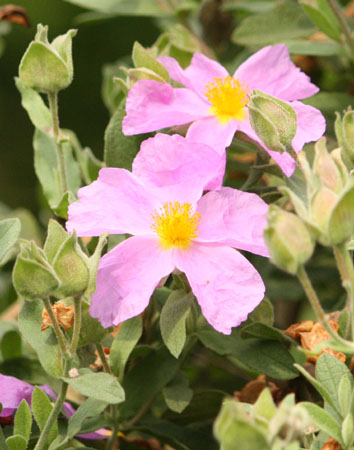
{"x": 216, "y": 103}
{"x": 174, "y": 226}
{"x": 13, "y": 391}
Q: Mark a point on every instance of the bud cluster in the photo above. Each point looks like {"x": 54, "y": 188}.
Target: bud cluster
{"x": 262, "y": 425}
{"x": 61, "y": 269}
{"x": 325, "y": 213}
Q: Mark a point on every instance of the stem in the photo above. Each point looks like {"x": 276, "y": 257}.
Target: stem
{"x": 346, "y": 269}
{"x": 344, "y": 25}
{"x": 77, "y": 326}
{"x": 53, "y": 105}
{"x": 316, "y": 306}
{"x": 43, "y": 438}
{"x": 111, "y": 442}
{"x": 57, "y": 329}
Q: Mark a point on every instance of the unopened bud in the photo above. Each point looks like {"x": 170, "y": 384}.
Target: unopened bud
{"x": 348, "y": 430}
{"x": 47, "y": 67}
{"x": 341, "y": 220}
{"x": 32, "y": 276}
{"x": 288, "y": 240}
{"x": 321, "y": 206}
{"x": 273, "y": 120}
{"x": 327, "y": 168}
{"x": 344, "y": 394}
{"x": 344, "y": 128}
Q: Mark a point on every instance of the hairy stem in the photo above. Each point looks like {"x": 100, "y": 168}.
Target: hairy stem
{"x": 43, "y": 438}
{"x": 77, "y": 326}
{"x": 345, "y": 266}
{"x": 56, "y": 326}
{"x": 53, "y": 106}
{"x": 344, "y": 25}
{"x": 316, "y": 306}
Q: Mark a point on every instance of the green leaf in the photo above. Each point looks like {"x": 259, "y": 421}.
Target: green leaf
{"x": 329, "y": 102}
{"x": 9, "y": 233}
{"x": 43, "y": 342}
{"x": 263, "y": 313}
{"x": 323, "y": 17}
{"x": 177, "y": 394}
{"x": 329, "y": 372}
{"x": 16, "y": 442}
{"x": 285, "y": 21}
{"x": 3, "y": 444}
{"x": 262, "y": 331}
{"x": 321, "y": 389}
{"x": 173, "y": 321}
{"x": 23, "y": 421}
{"x": 99, "y": 386}
{"x": 143, "y": 58}
{"x": 147, "y": 378}
{"x": 126, "y": 7}
{"x": 41, "y": 408}
{"x": 90, "y": 408}
{"x": 264, "y": 357}
{"x": 91, "y": 331}
{"x": 314, "y": 48}
{"x": 46, "y": 167}
{"x": 323, "y": 420}
{"x": 33, "y": 103}
{"x": 120, "y": 150}
{"x": 11, "y": 345}
{"x": 127, "y": 337}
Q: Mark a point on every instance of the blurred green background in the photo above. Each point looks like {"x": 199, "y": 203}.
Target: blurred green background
{"x": 81, "y": 106}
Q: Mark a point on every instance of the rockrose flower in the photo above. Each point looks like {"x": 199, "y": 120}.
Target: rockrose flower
{"x": 174, "y": 226}
{"x": 216, "y": 102}
{"x": 13, "y": 391}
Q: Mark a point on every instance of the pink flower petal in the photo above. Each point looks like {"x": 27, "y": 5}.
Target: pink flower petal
{"x": 226, "y": 285}
{"x": 127, "y": 277}
{"x": 12, "y": 392}
{"x": 198, "y": 74}
{"x": 152, "y": 105}
{"x": 284, "y": 160}
{"x": 115, "y": 203}
{"x": 311, "y": 125}
{"x": 210, "y": 131}
{"x": 271, "y": 70}
{"x": 233, "y": 218}
{"x": 182, "y": 167}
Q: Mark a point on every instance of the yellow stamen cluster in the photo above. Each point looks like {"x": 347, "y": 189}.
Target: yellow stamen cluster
{"x": 175, "y": 224}
{"x": 228, "y": 98}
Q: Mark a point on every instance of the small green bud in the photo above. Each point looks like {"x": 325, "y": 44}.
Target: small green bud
{"x": 327, "y": 168}
{"x": 344, "y": 128}
{"x": 288, "y": 239}
{"x": 321, "y": 206}
{"x": 146, "y": 59}
{"x": 48, "y": 67}
{"x": 348, "y": 430}
{"x": 341, "y": 220}
{"x": 265, "y": 406}
{"x": 273, "y": 120}
{"x": 32, "y": 275}
{"x": 55, "y": 238}
{"x": 344, "y": 395}
{"x": 71, "y": 267}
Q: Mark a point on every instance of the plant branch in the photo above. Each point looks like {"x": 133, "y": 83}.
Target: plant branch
{"x": 58, "y": 331}
{"x": 77, "y": 326}
{"x": 343, "y": 24}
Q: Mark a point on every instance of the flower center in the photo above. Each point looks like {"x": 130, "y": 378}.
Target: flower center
{"x": 228, "y": 98}
{"x": 176, "y": 224}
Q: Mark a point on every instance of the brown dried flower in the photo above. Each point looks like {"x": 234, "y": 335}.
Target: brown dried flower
{"x": 311, "y": 334}
{"x": 252, "y": 390}
{"x": 64, "y": 314}
{"x": 331, "y": 444}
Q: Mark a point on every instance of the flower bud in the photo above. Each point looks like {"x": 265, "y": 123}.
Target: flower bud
{"x": 344, "y": 394}
{"x": 70, "y": 265}
{"x": 273, "y": 120}
{"x": 47, "y": 67}
{"x": 344, "y": 128}
{"x": 288, "y": 240}
{"x": 322, "y": 203}
{"x": 327, "y": 168}
{"x": 32, "y": 275}
{"x": 348, "y": 430}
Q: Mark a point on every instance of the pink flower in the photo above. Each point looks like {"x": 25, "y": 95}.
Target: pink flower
{"x": 13, "y": 391}
{"x": 173, "y": 227}
{"x": 216, "y": 103}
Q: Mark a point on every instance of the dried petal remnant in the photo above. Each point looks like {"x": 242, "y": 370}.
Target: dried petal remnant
{"x": 311, "y": 334}
{"x": 64, "y": 314}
